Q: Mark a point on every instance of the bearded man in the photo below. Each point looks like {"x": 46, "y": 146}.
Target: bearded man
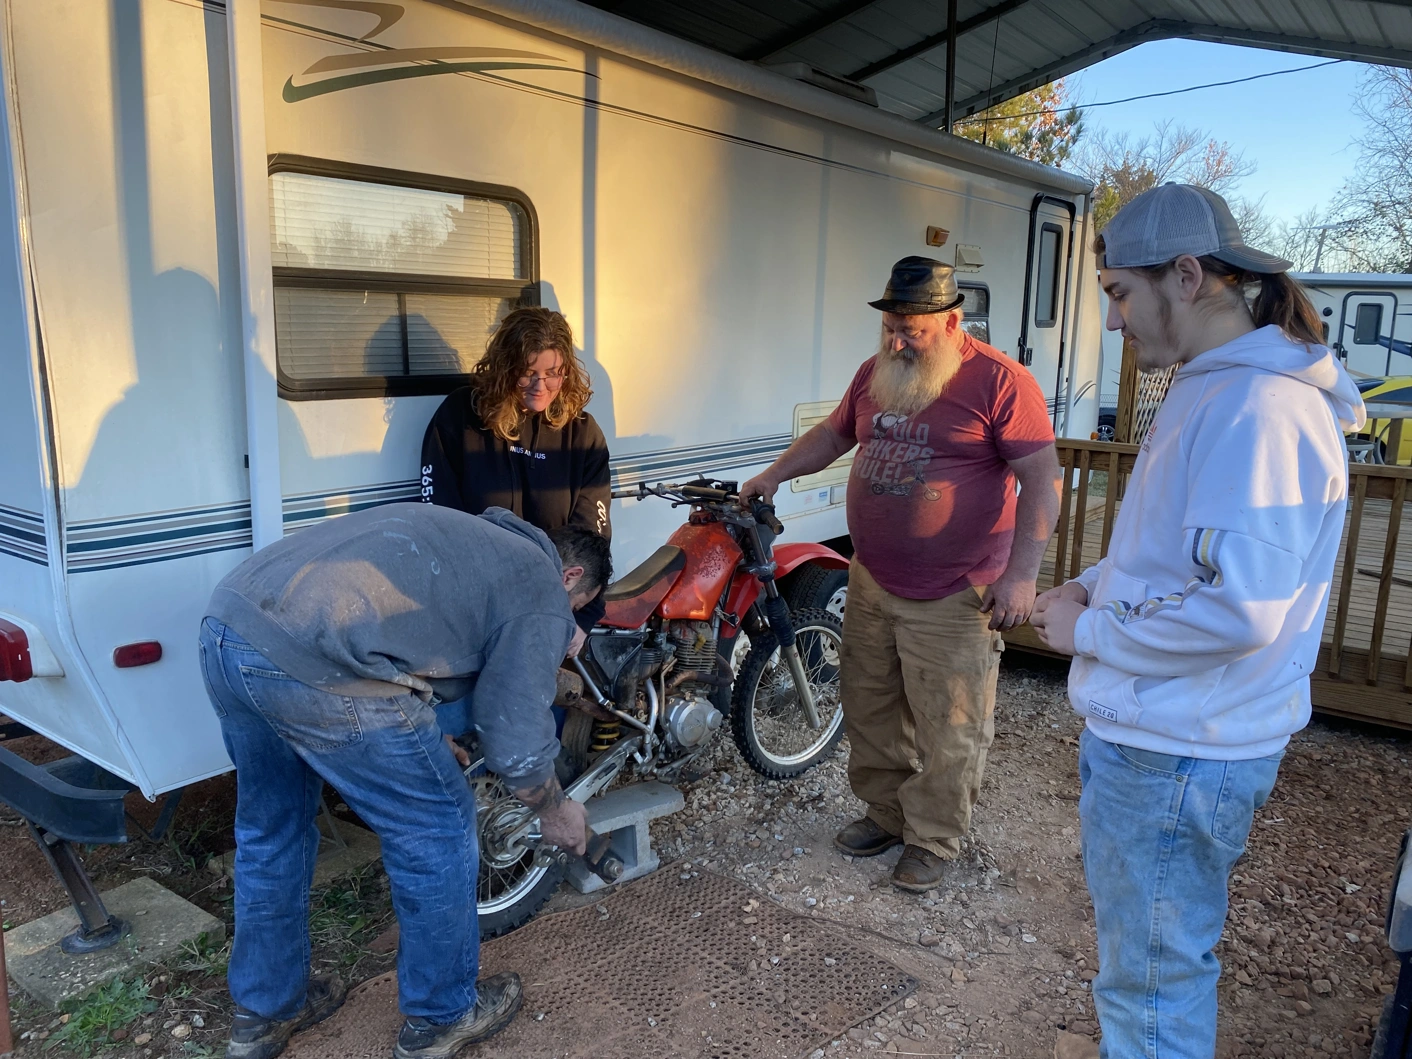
{"x": 945, "y": 560}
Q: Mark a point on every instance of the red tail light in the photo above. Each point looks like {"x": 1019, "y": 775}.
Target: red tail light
{"x": 14, "y": 652}
{"x": 130, "y": 655}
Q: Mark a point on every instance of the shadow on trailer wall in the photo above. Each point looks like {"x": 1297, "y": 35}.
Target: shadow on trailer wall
{"x": 1364, "y": 670}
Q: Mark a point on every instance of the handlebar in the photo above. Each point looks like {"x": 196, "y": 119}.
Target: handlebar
{"x": 690, "y": 492}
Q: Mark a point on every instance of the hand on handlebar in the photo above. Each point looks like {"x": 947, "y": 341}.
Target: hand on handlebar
{"x": 760, "y": 486}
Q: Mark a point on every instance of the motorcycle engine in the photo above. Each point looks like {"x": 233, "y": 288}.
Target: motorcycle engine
{"x": 691, "y": 720}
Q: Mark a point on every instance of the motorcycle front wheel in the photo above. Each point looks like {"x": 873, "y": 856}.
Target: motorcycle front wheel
{"x": 767, "y": 717}
{"x": 510, "y": 887}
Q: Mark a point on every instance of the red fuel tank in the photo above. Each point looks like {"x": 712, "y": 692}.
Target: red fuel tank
{"x": 711, "y": 558}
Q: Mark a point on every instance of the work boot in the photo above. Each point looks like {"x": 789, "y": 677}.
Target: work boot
{"x": 865, "y": 838}
{"x": 253, "y": 1036}
{"x": 498, "y": 998}
{"x": 918, "y": 869}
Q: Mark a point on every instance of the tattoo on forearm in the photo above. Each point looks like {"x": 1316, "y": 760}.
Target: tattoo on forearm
{"x": 547, "y": 795}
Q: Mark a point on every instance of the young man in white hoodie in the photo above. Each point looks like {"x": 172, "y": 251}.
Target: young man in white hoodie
{"x": 1193, "y": 640}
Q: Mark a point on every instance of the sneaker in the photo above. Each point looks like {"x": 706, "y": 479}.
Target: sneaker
{"x": 918, "y": 869}
{"x": 498, "y": 998}
{"x": 253, "y": 1036}
{"x": 865, "y": 838}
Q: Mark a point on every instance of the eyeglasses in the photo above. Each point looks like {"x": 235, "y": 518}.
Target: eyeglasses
{"x": 552, "y": 380}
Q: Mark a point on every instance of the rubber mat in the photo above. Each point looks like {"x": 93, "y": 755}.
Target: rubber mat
{"x": 699, "y": 967}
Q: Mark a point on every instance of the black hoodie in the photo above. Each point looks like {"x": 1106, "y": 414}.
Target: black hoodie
{"x": 549, "y": 478}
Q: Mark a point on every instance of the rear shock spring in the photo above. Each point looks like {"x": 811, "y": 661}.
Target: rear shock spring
{"x": 605, "y": 734}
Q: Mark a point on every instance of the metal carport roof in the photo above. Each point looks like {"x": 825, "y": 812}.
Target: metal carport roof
{"x": 1005, "y": 47}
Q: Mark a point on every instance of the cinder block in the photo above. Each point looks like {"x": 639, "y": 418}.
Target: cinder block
{"x": 161, "y": 924}
{"x": 624, "y": 815}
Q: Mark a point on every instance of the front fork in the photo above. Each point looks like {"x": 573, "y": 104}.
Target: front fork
{"x": 776, "y": 612}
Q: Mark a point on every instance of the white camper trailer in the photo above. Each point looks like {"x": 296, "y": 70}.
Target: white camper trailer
{"x": 233, "y": 291}
{"x": 1367, "y": 319}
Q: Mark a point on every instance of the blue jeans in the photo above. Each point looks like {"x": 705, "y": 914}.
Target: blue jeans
{"x": 387, "y": 759}
{"x": 1160, "y": 835}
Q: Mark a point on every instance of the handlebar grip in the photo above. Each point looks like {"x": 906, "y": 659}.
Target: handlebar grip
{"x": 600, "y": 859}
{"x": 704, "y": 492}
{"x": 766, "y": 513}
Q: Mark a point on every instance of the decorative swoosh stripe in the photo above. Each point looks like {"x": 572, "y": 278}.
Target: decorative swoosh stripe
{"x": 22, "y": 535}
{"x": 1205, "y": 553}
{"x": 293, "y": 93}
{"x": 696, "y": 460}
{"x": 108, "y": 544}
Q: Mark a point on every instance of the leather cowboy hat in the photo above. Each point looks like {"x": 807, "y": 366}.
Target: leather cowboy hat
{"x": 920, "y": 285}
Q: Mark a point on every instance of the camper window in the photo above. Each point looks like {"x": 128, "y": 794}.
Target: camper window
{"x": 387, "y": 283}
{"x": 977, "y": 310}
{"x": 1046, "y": 306}
{"x": 1367, "y": 323}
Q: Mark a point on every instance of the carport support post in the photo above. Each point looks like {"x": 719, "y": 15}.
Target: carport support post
{"x": 7, "y": 1039}
{"x": 950, "y": 63}
{"x": 257, "y": 301}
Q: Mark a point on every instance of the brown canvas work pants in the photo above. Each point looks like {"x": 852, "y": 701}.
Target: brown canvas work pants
{"x": 918, "y": 682}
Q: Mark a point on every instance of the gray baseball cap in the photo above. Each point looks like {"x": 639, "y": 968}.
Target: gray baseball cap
{"x": 1168, "y": 221}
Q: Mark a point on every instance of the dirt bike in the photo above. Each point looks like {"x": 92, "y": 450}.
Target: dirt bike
{"x": 655, "y": 688}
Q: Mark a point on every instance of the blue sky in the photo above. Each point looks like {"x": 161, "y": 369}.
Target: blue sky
{"x": 1298, "y": 129}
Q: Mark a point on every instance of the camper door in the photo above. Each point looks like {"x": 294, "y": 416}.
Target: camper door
{"x": 1045, "y": 313}
{"x": 1366, "y": 338}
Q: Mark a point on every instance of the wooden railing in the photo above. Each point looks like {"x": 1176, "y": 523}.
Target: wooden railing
{"x": 1364, "y": 669}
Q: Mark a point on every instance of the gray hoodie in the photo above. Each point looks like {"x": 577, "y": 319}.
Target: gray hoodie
{"x": 421, "y": 599}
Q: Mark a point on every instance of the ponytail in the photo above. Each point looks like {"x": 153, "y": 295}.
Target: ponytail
{"x": 1282, "y": 302}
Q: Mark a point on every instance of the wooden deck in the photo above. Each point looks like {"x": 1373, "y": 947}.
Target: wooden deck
{"x": 1364, "y": 669}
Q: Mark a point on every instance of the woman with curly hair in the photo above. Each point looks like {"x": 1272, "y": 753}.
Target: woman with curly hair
{"x": 518, "y": 437}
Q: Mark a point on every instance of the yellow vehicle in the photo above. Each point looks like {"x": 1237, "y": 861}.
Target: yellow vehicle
{"x": 1389, "y": 400}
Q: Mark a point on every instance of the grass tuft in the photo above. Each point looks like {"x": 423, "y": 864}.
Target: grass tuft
{"x": 94, "y": 1016}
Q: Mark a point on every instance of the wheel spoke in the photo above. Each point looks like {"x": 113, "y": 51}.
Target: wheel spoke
{"x": 497, "y": 886}
{"x": 778, "y": 717}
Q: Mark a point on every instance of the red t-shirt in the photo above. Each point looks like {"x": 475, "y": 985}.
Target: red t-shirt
{"x": 931, "y": 497}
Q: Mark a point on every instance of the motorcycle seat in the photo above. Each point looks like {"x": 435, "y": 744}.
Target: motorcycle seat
{"x": 664, "y": 562}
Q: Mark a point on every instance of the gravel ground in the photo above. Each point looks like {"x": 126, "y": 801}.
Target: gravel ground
{"x": 1004, "y": 947}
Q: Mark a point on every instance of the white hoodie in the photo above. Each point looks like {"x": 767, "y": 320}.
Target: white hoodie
{"x": 1205, "y": 618}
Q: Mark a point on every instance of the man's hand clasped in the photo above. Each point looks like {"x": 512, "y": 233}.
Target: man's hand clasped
{"x": 1055, "y": 614}
{"x": 1008, "y": 602}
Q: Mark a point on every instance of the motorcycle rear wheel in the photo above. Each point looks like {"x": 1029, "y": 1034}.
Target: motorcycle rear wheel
{"x": 509, "y": 889}
{"x": 767, "y": 717}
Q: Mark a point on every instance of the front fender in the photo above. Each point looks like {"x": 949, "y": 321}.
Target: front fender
{"x": 788, "y": 557}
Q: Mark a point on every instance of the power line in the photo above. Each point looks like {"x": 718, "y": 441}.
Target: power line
{"x": 1152, "y": 95}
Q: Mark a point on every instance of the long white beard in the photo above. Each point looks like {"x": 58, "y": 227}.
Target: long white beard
{"x": 907, "y": 382}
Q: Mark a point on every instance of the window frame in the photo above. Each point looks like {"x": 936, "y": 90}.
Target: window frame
{"x": 1377, "y": 323}
{"x": 1053, "y": 319}
{"x": 521, "y": 290}
{"x": 965, "y": 286}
